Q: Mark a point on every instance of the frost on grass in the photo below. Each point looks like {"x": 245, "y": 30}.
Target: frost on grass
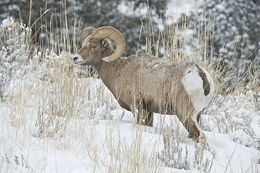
{"x": 54, "y": 110}
{"x": 18, "y": 57}
{"x": 15, "y": 50}
{"x": 39, "y": 78}
{"x": 178, "y": 153}
{"x": 234, "y": 115}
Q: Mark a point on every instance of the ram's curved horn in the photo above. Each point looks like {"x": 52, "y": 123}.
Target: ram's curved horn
{"x": 116, "y": 36}
{"x": 86, "y": 32}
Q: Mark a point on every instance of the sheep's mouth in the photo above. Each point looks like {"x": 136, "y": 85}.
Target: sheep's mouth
{"x": 77, "y": 60}
{"x": 79, "y": 63}
{"x": 82, "y": 63}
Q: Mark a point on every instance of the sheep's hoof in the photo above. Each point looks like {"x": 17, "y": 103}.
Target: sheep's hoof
{"x": 193, "y": 137}
{"x": 202, "y": 141}
{"x": 198, "y": 138}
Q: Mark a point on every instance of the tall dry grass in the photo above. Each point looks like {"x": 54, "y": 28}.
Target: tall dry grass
{"x": 174, "y": 43}
{"x": 59, "y": 99}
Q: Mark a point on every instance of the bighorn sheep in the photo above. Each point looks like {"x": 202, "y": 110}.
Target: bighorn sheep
{"x": 148, "y": 84}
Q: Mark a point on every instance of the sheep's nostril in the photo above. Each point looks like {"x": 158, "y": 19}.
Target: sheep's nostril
{"x": 75, "y": 58}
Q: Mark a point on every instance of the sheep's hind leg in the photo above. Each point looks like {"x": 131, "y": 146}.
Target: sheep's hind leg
{"x": 198, "y": 117}
{"x": 194, "y": 131}
{"x": 192, "y": 127}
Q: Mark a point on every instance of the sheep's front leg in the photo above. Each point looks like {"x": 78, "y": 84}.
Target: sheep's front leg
{"x": 149, "y": 120}
{"x": 141, "y": 116}
{"x": 144, "y": 117}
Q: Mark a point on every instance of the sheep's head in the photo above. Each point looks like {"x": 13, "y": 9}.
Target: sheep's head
{"x": 95, "y": 46}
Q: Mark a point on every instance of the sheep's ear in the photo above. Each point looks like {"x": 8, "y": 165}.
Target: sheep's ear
{"x": 105, "y": 42}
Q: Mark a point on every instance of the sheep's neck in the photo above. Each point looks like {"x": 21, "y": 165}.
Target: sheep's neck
{"x": 106, "y": 71}
{"x": 107, "y": 74}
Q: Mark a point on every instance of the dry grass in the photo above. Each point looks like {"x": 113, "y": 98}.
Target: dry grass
{"x": 173, "y": 43}
{"x": 57, "y": 106}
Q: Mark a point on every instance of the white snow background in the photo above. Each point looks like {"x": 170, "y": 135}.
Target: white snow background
{"x": 52, "y": 122}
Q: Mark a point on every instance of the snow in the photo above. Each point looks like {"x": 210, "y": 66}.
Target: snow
{"x": 103, "y": 142}
{"x": 70, "y": 124}
{"x": 176, "y": 8}
{"x": 7, "y": 23}
{"x": 127, "y": 8}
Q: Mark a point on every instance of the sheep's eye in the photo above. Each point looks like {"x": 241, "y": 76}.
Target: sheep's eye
{"x": 93, "y": 46}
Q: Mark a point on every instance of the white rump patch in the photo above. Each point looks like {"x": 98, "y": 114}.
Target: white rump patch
{"x": 193, "y": 85}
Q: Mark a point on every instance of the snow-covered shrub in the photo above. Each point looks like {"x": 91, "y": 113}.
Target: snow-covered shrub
{"x": 15, "y": 53}
{"x": 18, "y": 57}
{"x": 234, "y": 114}
{"x": 30, "y": 75}
{"x": 39, "y": 77}
{"x": 179, "y": 154}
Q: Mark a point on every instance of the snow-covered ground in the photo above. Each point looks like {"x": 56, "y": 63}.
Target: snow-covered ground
{"x": 53, "y": 121}
{"x": 104, "y": 138}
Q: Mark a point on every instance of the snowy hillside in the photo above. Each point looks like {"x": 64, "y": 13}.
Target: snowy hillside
{"x": 52, "y": 120}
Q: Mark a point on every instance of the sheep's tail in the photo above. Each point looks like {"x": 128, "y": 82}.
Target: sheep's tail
{"x": 199, "y": 86}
